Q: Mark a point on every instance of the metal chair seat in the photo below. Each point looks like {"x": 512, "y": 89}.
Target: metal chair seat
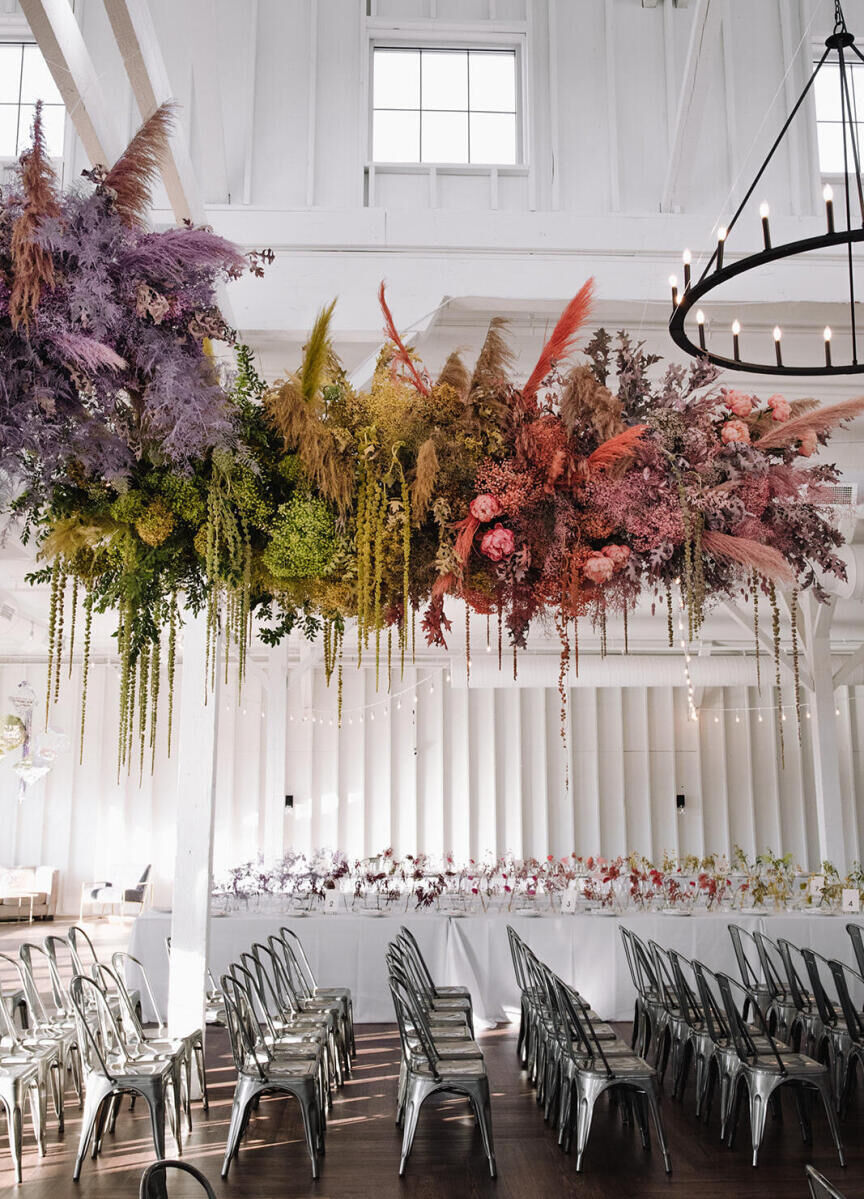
{"x": 451, "y": 1050}
{"x": 17, "y": 1082}
{"x": 452, "y": 992}
{"x": 450, "y": 1005}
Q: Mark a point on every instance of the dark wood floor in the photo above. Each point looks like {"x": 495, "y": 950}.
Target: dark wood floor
{"x": 363, "y": 1146}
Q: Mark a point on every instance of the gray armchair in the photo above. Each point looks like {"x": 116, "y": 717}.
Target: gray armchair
{"x": 110, "y": 895}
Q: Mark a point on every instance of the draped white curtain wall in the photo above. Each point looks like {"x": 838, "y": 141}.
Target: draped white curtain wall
{"x": 467, "y": 771}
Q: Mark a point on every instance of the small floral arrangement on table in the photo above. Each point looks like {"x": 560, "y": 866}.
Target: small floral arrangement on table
{"x": 768, "y": 877}
{"x": 601, "y": 886}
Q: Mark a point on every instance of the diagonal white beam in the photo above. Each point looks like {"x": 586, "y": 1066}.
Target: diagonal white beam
{"x": 766, "y": 643}
{"x": 844, "y": 673}
{"x": 135, "y": 33}
{"x": 691, "y": 100}
{"x": 53, "y": 24}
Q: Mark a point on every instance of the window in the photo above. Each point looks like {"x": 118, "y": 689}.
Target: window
{"x": 453, "y": 106}
{"x": 24, "y": 79}
{"x": 829, "y": 116}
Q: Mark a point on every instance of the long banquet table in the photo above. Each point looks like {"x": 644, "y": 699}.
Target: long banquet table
{"x": 348, "y": 950}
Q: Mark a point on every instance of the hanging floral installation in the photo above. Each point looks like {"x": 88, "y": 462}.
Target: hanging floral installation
{"x": 155, "y": 485}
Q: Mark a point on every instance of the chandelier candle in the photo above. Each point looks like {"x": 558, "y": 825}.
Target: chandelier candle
{"x": 828, "y": 197}
{"x": 778, "y": 335}
{"x": 700, "y": 321}
{"x": 721, "y": 242}
{"x": 736, "y": 348}
{"x": 766, "y": 232}
{"x": 687, "y": 258}
{"x": 673, "y": 283}
{"x": 827, "y": 336}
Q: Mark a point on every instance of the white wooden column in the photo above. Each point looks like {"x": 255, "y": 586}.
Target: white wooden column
{"x": 826, "y": 767}
{"x": 198, "y": 728}
{"x": 276, "y": 730}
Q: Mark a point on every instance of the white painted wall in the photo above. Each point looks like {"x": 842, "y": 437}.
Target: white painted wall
{"x": 464, "y": 770}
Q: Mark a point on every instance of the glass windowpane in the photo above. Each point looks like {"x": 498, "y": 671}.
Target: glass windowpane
{"x": 445, "y": 137}
{"x": 36, "y": 81}
{"x": 8, "y": 130}
{"x": 493, "y": 137}
{"x": 10, "y": 72}
{"x": 396, "y": 137}
{"x": 53, "y": 123}
{"x": 827, "y": 88}
{"x": 444, "y": 77}
{"x": 396, "y": 79}
{"x": 492, "y": 79}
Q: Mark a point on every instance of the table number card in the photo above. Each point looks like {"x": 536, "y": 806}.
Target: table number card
{"x": 816, "y": 885}
{"x": 332, "y": 901}
{"x": 569, "y": 901}
{"x": 851, "y": 899}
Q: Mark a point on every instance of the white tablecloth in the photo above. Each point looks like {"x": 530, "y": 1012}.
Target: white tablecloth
{"x": 348, "y": 950}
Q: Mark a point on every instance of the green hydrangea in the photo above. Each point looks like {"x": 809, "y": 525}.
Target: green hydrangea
{"x": 156, "y": 524}
{"x": 289, "y": 468}
{"x": 184, "y": 498}
{"x": 127, "y": 508}
{"x": 303, "y": 545}
{"x": 248, "y": 494}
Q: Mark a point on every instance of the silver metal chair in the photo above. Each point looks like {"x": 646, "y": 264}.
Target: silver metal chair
{"x": 835, "y": 1042}
{"x": 193, "y": 1042}
{"x": 428, "y": 1073}
{"x": 153, "y": 1179}
{"x": 750, "y": 979}
{"x": 44, "y": 1023}
{"x": 110, "y": 1071}
{"x": 46, "y": 1053}
{"x": 762, "y": 1073}
{"x": 340, "y": 994}
{"x": 844, "y": 976}
{"x": 18, "y": 1082}
{"x": 260, "y": 1072}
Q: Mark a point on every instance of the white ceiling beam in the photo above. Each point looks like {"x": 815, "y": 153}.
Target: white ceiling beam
{"x": 132, "y": 24}
{"x": 845, "y": 672}
{"x": 58, "y": 35}
{"x": 691, "y": 99}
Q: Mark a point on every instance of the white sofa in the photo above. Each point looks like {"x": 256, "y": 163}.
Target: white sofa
{"x": 18, "y": 883}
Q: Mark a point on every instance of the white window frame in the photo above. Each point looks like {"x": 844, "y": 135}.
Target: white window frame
{"x": 12, "y": 34}
{"x": 833, "y": 177}
{"x": 426, "y": 35}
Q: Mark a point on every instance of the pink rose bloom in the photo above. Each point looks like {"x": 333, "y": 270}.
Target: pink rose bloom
{"x": 735, "y": 430}
{"x": 809, "y": 444}
{"x": 739, "y": 403}
{"x": 497, "y": 543}
{"x": 780, "y": 407}
{"x": 599, "y": 569}
{"x": 618, "y": 554}
{"x": 485, "y": 507}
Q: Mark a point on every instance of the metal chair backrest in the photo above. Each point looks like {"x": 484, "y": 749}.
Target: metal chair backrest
{"x": 749, "y": 977}
{"x": 153, "y": 1180}
{"x": 99, "y": 1036}
{"x": 120, "y": 961}
{"x": 842, "y": 975}
{"x": 856, "y": 936}
{"x": 741, "y": 1035}
{"x": 8, "y": 1032}
{"x": 517, "y": 947}
{"x": 664, "y": 975}
{"x": 580, "y": 1026}
{"x": 626, "y": 941}
{"x": 712, "y": 1009}
{"x": 36, "y": 1009}
{"x": 767, "y": 951}
{"x": 647, "y": 983}
{"x": 824, "y": 1006}
{"x": 60, "y": 961}
{"x": 81, "y": 947}
{"x": 410, "y": 1016}
{"x": 289, "y": 937}
{"x": 688, "y": 1004}
{"x": 410, "y": 941}
{"x": 820, "y": 1187}
{"x": 416, "y": 968}
{"x": 796, "y": 987}
{"x": 113, "y": 987}
{"x": 291, "y": 973}
{"x": 243, "y": 1030}
{"x": 258, "y": 985}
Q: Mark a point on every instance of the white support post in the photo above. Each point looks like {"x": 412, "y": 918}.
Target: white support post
{"x": 198, "y": 728}
{"x": 277, "y": 735}
{"x": 55, "y": 27}
{"x": 826, "y": 766}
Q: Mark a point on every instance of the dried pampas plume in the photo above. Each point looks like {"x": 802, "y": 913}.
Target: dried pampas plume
{"x": 560, "y": 343}
{"x": 455, "y": 375}
{"x": 136, "y": 170}
{"x": 32, "y": 265}
{"x": 764, "y": 559}
{"x": 617, "y": 447}
{"x": 820, "y": 420}
{"x": 424, "y": 479}
{"x": 585, "y": 403}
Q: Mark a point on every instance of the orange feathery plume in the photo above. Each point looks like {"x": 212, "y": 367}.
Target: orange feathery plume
{"x": 465, "y": 537}
{"x": 615, "y": 448}
{"x": 32, "y": 265}
{"x": 137, "y": 169}
{"x": 764, "y": 559}
{"x": 820, "y": 420}
{"x": 402, "y": 354}
{"x": 560, "y": 343}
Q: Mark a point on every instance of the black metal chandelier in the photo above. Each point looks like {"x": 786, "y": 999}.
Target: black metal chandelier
{"x": 837, "y": 47}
